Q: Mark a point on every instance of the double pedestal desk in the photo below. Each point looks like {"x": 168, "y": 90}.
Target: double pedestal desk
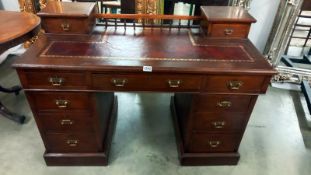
{"x": 70, "y": 80}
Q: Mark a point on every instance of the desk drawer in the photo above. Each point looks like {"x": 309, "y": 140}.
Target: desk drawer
{"x": 222, "y": 103}
{"x": 66, "y": 143}
{"x": 66, "y": 122}
{"x": 119, "y": 82}
{"x": 204, "y": 142}
{"x": 61, "y": 101}
{"x": 175, "y": 82}
{"x": 229, "y": 30}
{"x": 219, "y": 122}
{"x": 234, "y": 84}
{"x": 54, "y": 80}
{"x": 136, "y": 82}
{"x": 68, "y": 25}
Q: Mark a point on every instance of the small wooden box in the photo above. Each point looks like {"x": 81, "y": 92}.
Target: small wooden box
{"x": 226, "y": 22}
{"x": 68, "y": 17}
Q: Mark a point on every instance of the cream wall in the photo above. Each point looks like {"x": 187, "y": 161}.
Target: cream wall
{"x": 264, "y": 11}
{"x": 11, "y": 5}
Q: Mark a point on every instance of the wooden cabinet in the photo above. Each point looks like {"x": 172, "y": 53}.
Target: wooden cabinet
{"x": 68, "y": 17}
{"x": 226, "y": 22}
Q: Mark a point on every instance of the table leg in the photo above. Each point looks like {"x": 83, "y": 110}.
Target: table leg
{"x": 11, "y": 115}
{"x": 5, "y": 111}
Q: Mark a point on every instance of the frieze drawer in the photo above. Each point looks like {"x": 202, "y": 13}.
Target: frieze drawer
{"x": 235, "y": 84}
{"x": 143, "y": 82}
{"x": 53, "y": 80}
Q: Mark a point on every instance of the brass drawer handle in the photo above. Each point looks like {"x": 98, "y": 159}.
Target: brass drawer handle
{"x": 119, "y": 82}
{"x": 228, "y": 31}
{"x": 66, "y": 122}
{"x": 235, "y": 85}
{"x": 65, "y": 26}
{"x": 72, "y": 143}
{"x": 219, "y": 124}
{"x": 62, "y": 103}
{"x": 174, "y": 83}
{"x": 224, "y": 104}
{"x": 56, "y": 81}
{"x": 214, "y": 144}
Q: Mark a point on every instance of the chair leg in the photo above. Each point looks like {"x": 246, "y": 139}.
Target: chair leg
{"x": 11, "y": 115}
{"x": 5, "y": 111}
{"x": 14, "y": 89}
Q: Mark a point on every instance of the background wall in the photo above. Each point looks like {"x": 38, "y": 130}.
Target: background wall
{"x": 264, "y": 11}
{"x": 11, "y": 5}
{"x": 1, "y": 6}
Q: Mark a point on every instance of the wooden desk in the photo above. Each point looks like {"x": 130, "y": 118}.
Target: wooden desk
{"x": 16, "y": 27}
{"x": 70, "y": 82}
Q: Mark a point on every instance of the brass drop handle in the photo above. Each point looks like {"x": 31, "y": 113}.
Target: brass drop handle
{"x": 62, "y": 103}
{"x": 66, "y": 122}
{"x": 56, "y": 81}
{"x": 65, "y": 26}
{"x": 119, "y": 82}
{"x": 228, "y": 31}
{"x": 235, "y": 85}
{"x": 174, "y": 83}
{"x": 214, "y": 144}
{"x": 224, "y": 104}
{"x": 219, "y": 124}
{"x": 72, "y": 142}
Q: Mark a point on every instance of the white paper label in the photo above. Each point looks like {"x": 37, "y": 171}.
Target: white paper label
{"x": 147, "y": 68}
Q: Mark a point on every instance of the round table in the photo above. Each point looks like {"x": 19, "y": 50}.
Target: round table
{"x": 15, "y": 28}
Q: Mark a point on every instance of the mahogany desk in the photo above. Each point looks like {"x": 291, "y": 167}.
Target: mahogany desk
{"x": 70, "y": 82}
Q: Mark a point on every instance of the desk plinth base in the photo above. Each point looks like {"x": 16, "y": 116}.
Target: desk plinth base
{"x": 199, "y": 159}
{"x": 86, "y": 159}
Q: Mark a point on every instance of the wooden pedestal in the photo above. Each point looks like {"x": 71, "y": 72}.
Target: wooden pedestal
{"x": 198, "y": 159}
{"x": 87, "y": 159}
